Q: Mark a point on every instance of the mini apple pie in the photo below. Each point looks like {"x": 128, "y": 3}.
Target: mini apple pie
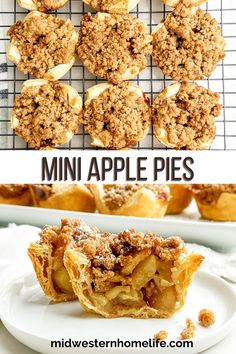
{"x": 184, "y": 116}
{"x": 174, "y": 3}
{"x": 216, "y": 201}
{"x": 42, "y": 5}
{"x": 74, "y": 197}
{"x": 115, "y": 46}
{"x": 112, "y": 6}
{"x": 131, "y": 274}
{"x": 47, "y": 257}
{"x": 180, "y": 198}
{"x": 47, "y": 113}
{"x": 16, "y": 194}
{"x": 144, "y": 200}
{"x": 116, "y": 117}
{"x": 188, "y": 44}
{"x": 43, "y": 45}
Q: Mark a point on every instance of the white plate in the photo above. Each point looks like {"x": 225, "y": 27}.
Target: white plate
{"x": 188, "y": 225}
{"x": 29, "y": 317}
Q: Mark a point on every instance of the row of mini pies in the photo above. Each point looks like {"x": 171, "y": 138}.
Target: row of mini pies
{"x": 215, "y": 202}
{"x": 122, "y": 6}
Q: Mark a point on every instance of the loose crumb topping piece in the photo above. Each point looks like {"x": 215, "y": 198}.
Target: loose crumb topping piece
{"x": 206, "y": 318}
{"x": 119, "y": 118}
{"x": 43, "y": 42}
{"x": 110, "y": 46}
{"x": 189, "y": 44}
{"x": 189, "y": 331}
{"x": 161, "y": 335}
{"x": 45, "y": 116}
{"x": 188, "y": 117}
{"x": 12, "y": 190}
{"x": 116, "y": 195}
{"x": 210, "y": 193}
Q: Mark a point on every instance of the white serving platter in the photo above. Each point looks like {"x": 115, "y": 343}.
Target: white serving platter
{"x": 188, "y": 225}
{"x": 31, "y": 319}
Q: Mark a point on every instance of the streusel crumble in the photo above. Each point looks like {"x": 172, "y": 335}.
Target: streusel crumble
{"x": 210, "y": 193}
{"x": 184, "y": 116}
{"x": 46, "y": 115}
{"x": 114, "y": 47}
{"x": 206, "y": 318}
{"x": 188, "y": 44}
{"x": 40, "y": 43}
{"x": 119, "y": 117}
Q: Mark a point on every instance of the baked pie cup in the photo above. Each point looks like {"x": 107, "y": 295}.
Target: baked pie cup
{"x": 113, "y": 6}
{"x": 16, "y": 194}
{"x": 73, "y": 197}
{"x": 41, "y": 5}
{"x": 184, "y": 116}
{"x": 116, "y": 117}
{"x": 180, "y": 198}
{"x": 174, "y": 3}
{"x": 216, "y": 202}
{"x": 47, "y": 113}
{"x": 142, "y": 200}
{"x": 113, "y": 46}
{"x": 131, "y": 274}
{"x": 43, "y": 45}
{"x": 188, "y": 44}
{"x": 47, "y": 258}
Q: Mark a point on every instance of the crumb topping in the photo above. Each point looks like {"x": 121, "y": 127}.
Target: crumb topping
{"x": 108, "y": 252}
{"x": 189, "y": 45}
{"x": 119, "y": 118}
{"x": 47, "y": 5}
{"x": 189, "y": 331}
{"x": 12, "y": 190}
{"x": 206, "y": 318}
{"x": 210, "y": 193}
{"x": 111, "y": 46}
{"x": 44, "y": 42}
{"x": 161, "y": 335}
{"x": 189, "y": 116}
{"x": 42, "y": 191}
{"x": 45, "y": 115}
{"x": 116, "y": 195}
{"x": 108, "y": 5}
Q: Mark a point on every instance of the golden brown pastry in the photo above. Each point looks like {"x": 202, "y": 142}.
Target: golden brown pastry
{"x": 131, "y": 274}
{"x": 47, "y": 257}
{"x": 43, "y": 45}
{"x": 112, "y": 6}
{"x": 180, "y": 198}
{"x": 16, "y": 194}
{"x": 216, "y": 201}
{"x": 174, "y": 3}
{"x": 74, "y": 197}
{"x": 42, "y": 5}
{"x": 144, "y": 200}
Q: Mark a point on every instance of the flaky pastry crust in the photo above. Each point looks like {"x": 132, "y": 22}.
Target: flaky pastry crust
{"x": 74, "y": 197}
{"x": 43, "y": 45}
{"x": 131, "y": 274}
{"x": 41, "y": 5}
{"x": 47, "y": 258}
{"x": 143, "y": 200}
{"x": 180, "y": 198}
{"x": 216, "y": 202}
{"x": 16, "y": 194}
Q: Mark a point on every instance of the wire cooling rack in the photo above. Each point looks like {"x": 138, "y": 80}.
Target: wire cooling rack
{"x": 151, "y": 79}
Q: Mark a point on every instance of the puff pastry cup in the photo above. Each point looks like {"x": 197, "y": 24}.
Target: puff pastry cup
{"x": 144, "y": 200}
{"x": 41, "y": 5}
{"x": 180, "y": 198}
{"x": 74, "y": 197}
{"x": 131, "y": 274}
{"x": 216, "y": 202}
{"x": 16, "y": 194}
{"x": 113, "y": 6}
{"x": 47, "y": 258}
